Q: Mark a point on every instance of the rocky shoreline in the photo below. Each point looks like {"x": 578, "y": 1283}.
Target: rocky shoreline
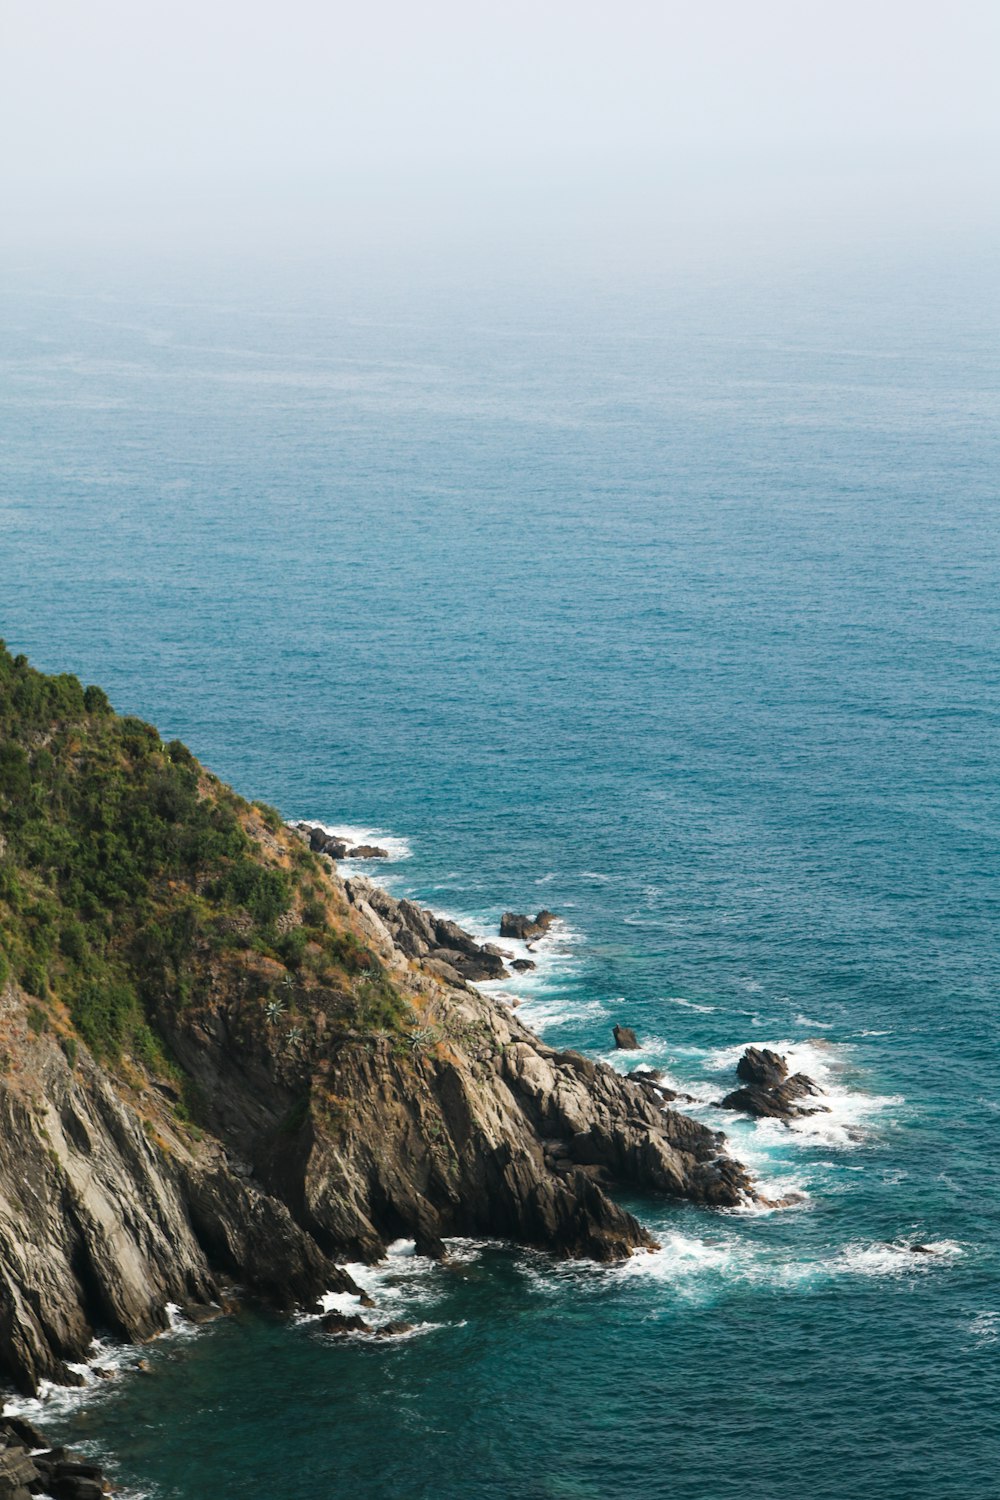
{"x": 314, "y": 1152}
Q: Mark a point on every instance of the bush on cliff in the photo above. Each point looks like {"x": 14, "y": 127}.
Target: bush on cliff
{"x": 126, "y": 868}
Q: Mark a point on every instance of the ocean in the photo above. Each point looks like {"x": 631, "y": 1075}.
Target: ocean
{"x": 669, "y": 605}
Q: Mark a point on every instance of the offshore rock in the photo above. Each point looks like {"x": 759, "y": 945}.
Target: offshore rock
{"x": 768, "y": 1092}
{"x": 759, "y": 1065}
{"x": 626, "y": 1039}
{"x": 515, "y": 925}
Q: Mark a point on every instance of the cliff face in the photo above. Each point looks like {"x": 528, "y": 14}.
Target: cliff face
{"x": 244, "y": 1067}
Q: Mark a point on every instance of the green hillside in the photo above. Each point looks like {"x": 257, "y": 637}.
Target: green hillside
{"x": 129, "y": 875}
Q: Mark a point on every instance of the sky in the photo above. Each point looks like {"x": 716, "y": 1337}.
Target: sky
{"x": 302, "y": 120}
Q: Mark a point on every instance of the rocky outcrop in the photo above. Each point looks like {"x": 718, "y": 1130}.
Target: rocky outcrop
{"x": 768, "y": 1092}
{"x": 29, "y": 1465}
{"x": 446, "y": 948}
{"x": 289, "y": 1070}
{"x": 625, "y": 1038}
{"x": 108, "y": 1214}
{"x": 761, "y": 1066}
{"x": 526, "y": 929}
{"x": 315, "y": 1146}
{"x": 335, "y": 846}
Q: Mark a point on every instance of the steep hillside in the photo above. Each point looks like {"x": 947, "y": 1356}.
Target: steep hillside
{"x": 221, "y": 1060}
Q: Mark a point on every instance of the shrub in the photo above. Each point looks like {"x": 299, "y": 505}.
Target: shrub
{"x": 95, "y": 700}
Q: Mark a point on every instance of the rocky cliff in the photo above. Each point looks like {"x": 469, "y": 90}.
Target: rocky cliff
{"x": 220, "y": 1061}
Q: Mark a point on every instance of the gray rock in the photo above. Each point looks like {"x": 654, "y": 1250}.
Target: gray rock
{"x": 625, "y": 1038}
{"x": 515, "y": 925}
{"x": 761, "y": 1066}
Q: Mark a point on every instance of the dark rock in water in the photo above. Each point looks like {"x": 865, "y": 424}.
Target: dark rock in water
{"x": 757, "y": 1101}
{"x": 20, "y": 1430}
{"x": 322, "y": 842}
{"x": 922, "y": 1250}
{"x": 625, "y": 1038}
{"x": 76, "y": 1487}
{"x": 394, "y": 1330}
{"x": 523, "y": 965}
{"x": 364, "y": 851}
{"x": 343, "y": 1323}
{"x": 777, "y": 1102}
{"x": 761, "y": 1066}
{"x": 515, "y": 925}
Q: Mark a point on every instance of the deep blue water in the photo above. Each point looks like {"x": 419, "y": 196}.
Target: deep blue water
{"x": 673, "y": 607}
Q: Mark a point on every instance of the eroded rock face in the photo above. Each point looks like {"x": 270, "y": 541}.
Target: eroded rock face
{"x": 626, "y": 1039}
{"x": 316, "y": 1151}
{"x": 102, "y": 1225}
{"x": 452, "y": 953}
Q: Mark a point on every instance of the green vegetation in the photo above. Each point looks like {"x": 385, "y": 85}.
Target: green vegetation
{"x": 127, "y": 872}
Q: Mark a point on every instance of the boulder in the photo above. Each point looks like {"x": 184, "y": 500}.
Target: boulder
{"x": 365, "y": 851}
{"x": 761, "y": 1066}
{"x": 778, "y": 1102}
{"x": 17, "y": 1471}
{"x": 322, "y": 842}
{"x": 339, "y": 1323}
{"x": 449, "y": 935}
{"x": 24, "y": 1431}
{"x": 478, "y": 966}
{"x": 409, "y": 943}
{"x": 626, "y": 1038}
{"x": 73, "y": 1487}
{"x": 419, "y": 922}
{"x": 515, "y": 925}
{"x": 523, "y": 965}
{"x": 394, "y": 1330}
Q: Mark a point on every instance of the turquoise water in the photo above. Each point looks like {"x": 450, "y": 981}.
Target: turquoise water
{"x": 672, "y": 607}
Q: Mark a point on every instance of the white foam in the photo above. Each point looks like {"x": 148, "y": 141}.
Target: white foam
{"x": 106, "y": 1355}
{"x": 849, "y": 1113}
{"x": 985, "y": 1327}
{"x": 893, "y": 1258}
{"x": 689, "y": 1004}
{"x": 680, "y": 1256}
